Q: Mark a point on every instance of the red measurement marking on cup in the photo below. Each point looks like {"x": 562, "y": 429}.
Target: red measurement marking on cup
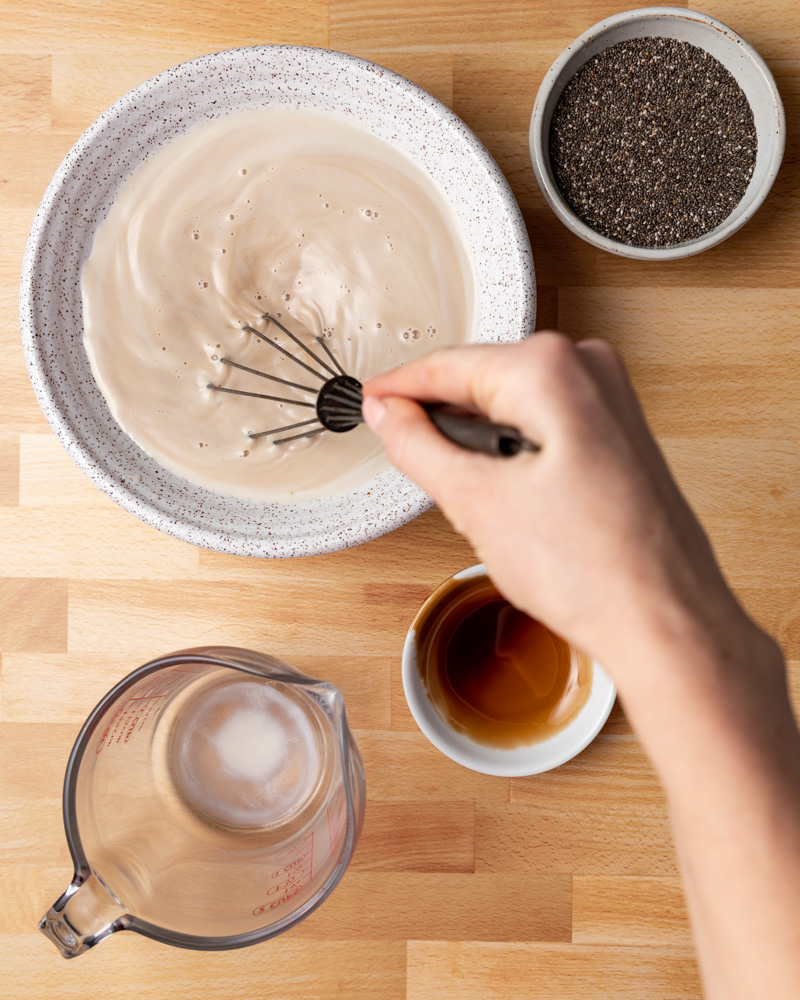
{"x": 144, "y": 702}
{"x": 293, "y": 876}
{"x": 337, "y": 818}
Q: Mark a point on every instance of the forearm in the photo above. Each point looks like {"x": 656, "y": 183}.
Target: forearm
{"x": 592, "y": 536}
{"x": 715, "y": 717}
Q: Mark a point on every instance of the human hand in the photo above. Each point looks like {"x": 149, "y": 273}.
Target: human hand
{"x": 591, "y": 535}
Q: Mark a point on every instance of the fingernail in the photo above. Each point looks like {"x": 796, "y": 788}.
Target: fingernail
{"x": 374, "y": 411}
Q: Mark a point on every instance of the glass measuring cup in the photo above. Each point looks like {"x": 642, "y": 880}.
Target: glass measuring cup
{"x": 213, "y": 799}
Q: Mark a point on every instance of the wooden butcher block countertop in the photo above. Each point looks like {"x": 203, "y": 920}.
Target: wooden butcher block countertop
{"x": 464, "y": 886}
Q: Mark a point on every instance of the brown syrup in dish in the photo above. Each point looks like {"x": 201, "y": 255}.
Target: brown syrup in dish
{"x": 493, "y": 673}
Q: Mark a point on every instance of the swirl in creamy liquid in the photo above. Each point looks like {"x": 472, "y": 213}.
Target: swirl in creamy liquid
{"x": 298, "y": 213}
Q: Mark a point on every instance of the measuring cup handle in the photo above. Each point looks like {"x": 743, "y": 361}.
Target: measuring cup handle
{"x": 81, "y": 917}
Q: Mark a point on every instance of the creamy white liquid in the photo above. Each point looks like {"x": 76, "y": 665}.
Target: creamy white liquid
{"x": 246, "y": 755}
{"x": 297, "y": 213}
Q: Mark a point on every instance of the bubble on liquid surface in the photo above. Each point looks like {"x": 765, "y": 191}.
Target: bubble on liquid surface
{"x": 246, "y": 754}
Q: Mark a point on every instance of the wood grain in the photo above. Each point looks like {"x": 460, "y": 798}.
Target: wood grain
{"x": 609, "y": 909}
{"x": 446, "y": 907}
{"x": 418, "y": 837}
{"x": 464, "y": 886}
{"x": 25, "y": 94}
{"x": 9, "y": 469}
{"x": 33, "y": 615}
{"x": 621, "y": 827}
{"x": 289, "y": 967}
{"x": 475, "y": 970}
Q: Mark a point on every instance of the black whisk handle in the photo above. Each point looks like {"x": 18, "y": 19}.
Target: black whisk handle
{"x": 476, "y": 433}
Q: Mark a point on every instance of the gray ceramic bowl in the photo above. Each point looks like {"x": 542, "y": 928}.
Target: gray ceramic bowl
{"x": 739, "y": 58}
{"x": 80, "y": 195}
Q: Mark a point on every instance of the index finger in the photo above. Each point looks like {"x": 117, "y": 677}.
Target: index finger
{"x": 447, "y": 375}
{"x": 515, "y": 384}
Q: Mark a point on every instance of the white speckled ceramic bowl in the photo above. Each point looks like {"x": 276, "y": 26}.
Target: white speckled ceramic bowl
{"x": 742, "y": 62}
{"x": 80, "y": 195}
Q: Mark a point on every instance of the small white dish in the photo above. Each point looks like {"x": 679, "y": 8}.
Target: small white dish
{"x": 81, "y": 193}
{"x": 513, "y": 763}
{"x": 740, "y": 59}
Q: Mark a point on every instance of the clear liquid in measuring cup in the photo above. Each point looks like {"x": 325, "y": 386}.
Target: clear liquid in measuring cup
{"x": 247, "y": 754}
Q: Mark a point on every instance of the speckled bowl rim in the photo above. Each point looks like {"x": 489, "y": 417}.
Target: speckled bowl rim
{"x": 411, "y": 501}
{"x": 541, "y": 164}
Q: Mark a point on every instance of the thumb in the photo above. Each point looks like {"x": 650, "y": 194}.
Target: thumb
{"x": 416, "y": 448}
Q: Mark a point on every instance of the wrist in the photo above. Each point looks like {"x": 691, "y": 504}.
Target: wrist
{"x": 704, "y": 646}
{"x": 690, "y": 683}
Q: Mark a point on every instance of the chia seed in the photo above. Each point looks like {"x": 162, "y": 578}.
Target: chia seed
{"x": 652, "y": 142}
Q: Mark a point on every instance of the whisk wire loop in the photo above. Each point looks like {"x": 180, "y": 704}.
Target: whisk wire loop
{"x": 286, "y": 427}
{"x": 272, "y": 378}
{"x": 329, "y": 352}
{"x": 258, "y": 395}
{"x": 283, "y": 350}
{"x": 299, "y": 343}
{"x": 296, "y": 437}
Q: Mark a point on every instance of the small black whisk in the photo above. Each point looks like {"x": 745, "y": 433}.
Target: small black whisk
{"x": 338, "y": 403}
{"x": 338, "y": 399}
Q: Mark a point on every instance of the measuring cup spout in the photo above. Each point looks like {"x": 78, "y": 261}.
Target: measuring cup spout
{"x": 84, "y": 915}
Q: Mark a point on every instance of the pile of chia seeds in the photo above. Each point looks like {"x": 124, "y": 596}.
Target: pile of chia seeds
{"x": 652, "y": 142}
